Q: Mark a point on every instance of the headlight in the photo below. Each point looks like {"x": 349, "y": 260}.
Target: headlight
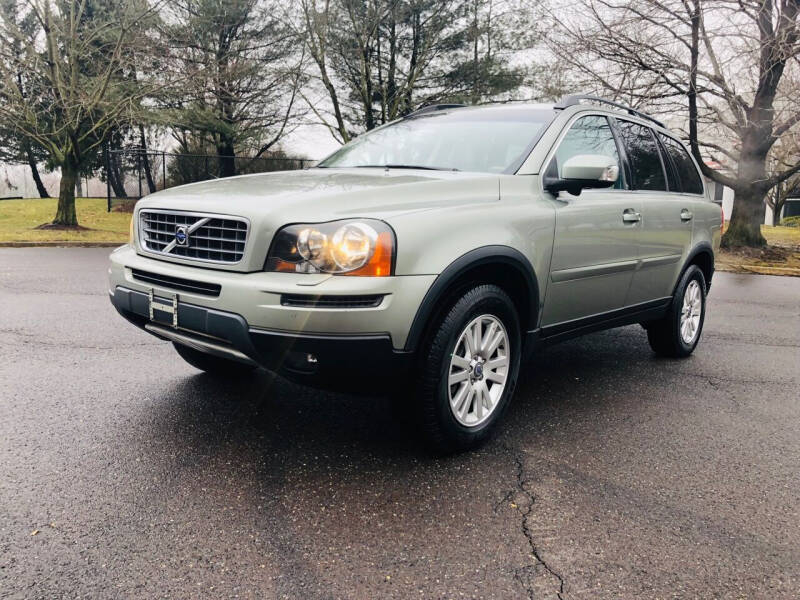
{"x": 353, "y": 247}
{"x": 130, "y": 236}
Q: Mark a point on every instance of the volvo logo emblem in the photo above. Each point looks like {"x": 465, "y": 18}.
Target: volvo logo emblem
{"x": 181, "y": 236}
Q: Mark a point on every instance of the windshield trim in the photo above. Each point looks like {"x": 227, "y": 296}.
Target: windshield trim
{"x": 514, "y": 168}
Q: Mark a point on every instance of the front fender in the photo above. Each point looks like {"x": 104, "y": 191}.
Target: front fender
{"x": 486, "y": 255}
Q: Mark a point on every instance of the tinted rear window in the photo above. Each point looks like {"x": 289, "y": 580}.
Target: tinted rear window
{"x": 688, "y": 176}
{"x": 643, "y": 156}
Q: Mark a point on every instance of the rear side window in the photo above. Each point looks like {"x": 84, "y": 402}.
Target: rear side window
{"x": 643, "y": 155}
{"x": 688, "y": 176}
{"x": 588, "y": 135}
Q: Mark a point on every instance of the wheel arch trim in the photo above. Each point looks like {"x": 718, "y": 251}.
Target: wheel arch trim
{"x": 485, "y": 255}
{"x": 701, "y": 248}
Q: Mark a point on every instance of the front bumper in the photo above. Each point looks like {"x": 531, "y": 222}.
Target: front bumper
{"x": 352, "y": 362}
{"x": 257, "y": 296}
{"x": 248, "y": 317}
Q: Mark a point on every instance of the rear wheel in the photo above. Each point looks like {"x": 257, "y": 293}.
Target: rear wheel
{"x": 469, "y": 369}
{"x": 677, "y": 334}
{"x": 213, "y": 365}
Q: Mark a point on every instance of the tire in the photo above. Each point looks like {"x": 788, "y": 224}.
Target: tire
{"x": 667, "y": 336}
{"x": 213, "y": 365}
{"x": 469, "y": 423}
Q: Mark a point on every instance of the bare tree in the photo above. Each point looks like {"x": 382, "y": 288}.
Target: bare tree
{"x": 722, "y": 65}
{"x": 79, "y": 58}
{"x": 239, "y": 71}
{"x": 378, "y": 60}
{"x": 14, "y": 146}
{"x": 783, "y": 156}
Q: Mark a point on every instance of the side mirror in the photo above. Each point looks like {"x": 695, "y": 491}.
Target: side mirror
{"x": 584, "y": 171}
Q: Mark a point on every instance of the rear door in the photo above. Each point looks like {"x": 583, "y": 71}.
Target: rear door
{"x": 596, "y": 234}
{"x": 666, "y": 229}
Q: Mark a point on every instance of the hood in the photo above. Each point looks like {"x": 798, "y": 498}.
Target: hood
{"x": 316, "y": 194}
{"x": 271, "y": 200}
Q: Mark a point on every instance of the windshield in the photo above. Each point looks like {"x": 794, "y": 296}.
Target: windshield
{"x": 490, "y": 140}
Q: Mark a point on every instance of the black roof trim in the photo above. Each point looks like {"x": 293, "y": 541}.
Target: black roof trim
{"x": 578, "y": 98}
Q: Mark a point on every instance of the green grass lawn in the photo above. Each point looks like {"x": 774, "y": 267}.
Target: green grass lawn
{"x": 782, "y": 236}
{"x": 780, "y": 257}
{"x": 19, "y": 219}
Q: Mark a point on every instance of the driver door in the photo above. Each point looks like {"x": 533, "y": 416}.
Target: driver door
{"x": 595, "y": 250}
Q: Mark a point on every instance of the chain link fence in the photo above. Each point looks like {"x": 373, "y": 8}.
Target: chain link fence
{"x": 134, "y": 173}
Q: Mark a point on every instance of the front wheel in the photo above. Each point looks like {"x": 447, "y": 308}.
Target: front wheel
{"x": 677, "y": 334}
{"x": 469, "y": 369}
{"x": 213, "y": 365}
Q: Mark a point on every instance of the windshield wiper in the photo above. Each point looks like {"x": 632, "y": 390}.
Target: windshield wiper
{"x": 391, "y": 166}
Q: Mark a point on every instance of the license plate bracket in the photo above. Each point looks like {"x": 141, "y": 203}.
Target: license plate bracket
{"x": 154, "y": 303}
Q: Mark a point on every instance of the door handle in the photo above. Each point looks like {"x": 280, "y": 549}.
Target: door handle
{"x": 631, "y": 216}
{"x": 686, "y": 215}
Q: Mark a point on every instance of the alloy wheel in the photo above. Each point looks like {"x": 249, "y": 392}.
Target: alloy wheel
{"x": 691, "y": 312}
{"x": 479, "y": 370}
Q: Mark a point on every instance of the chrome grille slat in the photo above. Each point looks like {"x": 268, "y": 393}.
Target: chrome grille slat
{"x": 206, "y": 249}
{"x": 219, "y": 239}
{"x": 170, "y": 235}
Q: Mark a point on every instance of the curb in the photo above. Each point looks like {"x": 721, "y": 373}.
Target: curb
{"x": 759, "y": 270}
{"x": 64, "y": 244}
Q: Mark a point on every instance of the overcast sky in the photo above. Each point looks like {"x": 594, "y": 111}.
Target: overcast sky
{"x": 310, "y": 141}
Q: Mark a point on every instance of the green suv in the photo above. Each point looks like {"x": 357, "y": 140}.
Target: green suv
{"x": 426, "y": 258}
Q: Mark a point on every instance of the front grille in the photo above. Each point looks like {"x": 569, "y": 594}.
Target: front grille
{"x": 178, "y": 283}
{"x": 311, "y": 301}
{"x": 210, "y": 238}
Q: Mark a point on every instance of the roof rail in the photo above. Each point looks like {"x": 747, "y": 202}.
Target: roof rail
{"x": 433, "y": 108}
{"x": 576, "y": 99}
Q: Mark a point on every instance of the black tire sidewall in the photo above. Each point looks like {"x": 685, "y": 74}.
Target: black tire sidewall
{"x": 480, "y": 300}
{"x": 693, "y": 273}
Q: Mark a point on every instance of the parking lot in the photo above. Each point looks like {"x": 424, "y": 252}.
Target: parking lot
{"x": 126, "y": 473}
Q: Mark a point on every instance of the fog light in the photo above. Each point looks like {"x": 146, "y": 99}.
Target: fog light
{"x": 311, "y": 359}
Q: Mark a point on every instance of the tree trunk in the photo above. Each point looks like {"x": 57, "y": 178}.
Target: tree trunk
{"x": 776, "y": 203}
{"x": 43, "y": 193}
{"x": 744, "y": 228}
{"x": 748, "y": 200}
{"x": 412, "y": 63}
{"x": 227, "y": 158}
{"x": 366, "y": 75}
{"x": 65, "y": 215}
{"x": 148, "y": 173}
{"x": 476, "y": 76}
{"x": 114, "y": 176}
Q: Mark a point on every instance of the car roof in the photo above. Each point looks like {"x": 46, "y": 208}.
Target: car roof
{"x": 570, "y": 106}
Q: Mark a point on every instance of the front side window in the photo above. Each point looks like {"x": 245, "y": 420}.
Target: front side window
{"x": 481, "y": 140}
{"x": 643, "y": 155}
{"x": 688, "y": 176}
{"x": 588, "y": 135}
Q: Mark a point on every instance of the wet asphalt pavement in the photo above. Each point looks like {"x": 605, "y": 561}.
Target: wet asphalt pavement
{"x": 125, "y": 473}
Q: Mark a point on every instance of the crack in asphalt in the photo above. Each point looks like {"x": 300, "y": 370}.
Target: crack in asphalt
{"x": 525, "y": 512}
{"x": 30, "y": 339}
{"x": 715, "y": 380}
{"x": 748, "y": 341}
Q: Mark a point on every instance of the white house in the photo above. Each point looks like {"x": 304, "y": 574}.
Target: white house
{"x": 724, "y": 195}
